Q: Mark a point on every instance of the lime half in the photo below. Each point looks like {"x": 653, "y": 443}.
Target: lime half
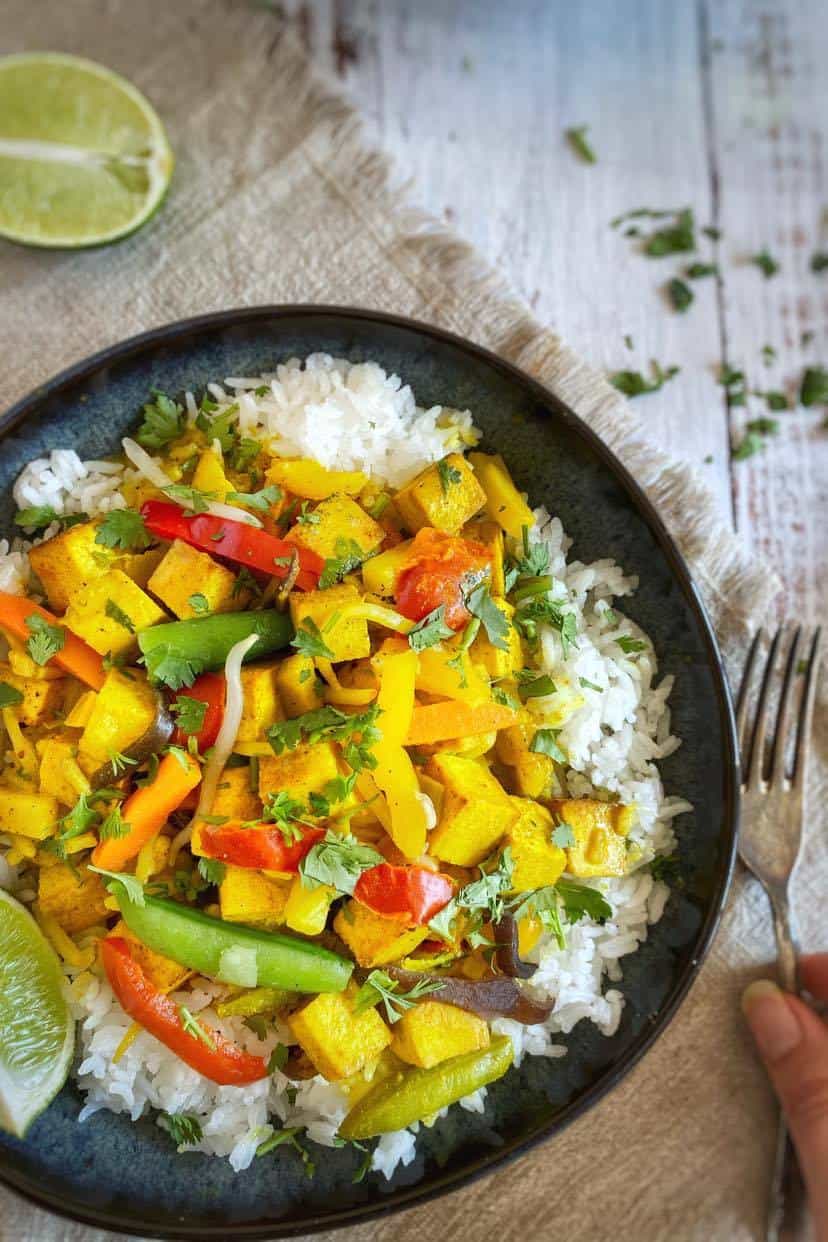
{"x": 37, "y": 1033}
{"x": 84, "y": 158}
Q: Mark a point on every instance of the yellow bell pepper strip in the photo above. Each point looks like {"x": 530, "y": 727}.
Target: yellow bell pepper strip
{"x": 438, "y": 722}
{"x": 395, "y": 774}
{"x": 75, "y": 656}
{"x": 217, "y": 949}
{"x": 148, "y": 809}
{"x": 344, "y": 696}
{"x": 377, "y": 614}
{"x": 410, "y": 1095}
{"x": 504, "y": 503}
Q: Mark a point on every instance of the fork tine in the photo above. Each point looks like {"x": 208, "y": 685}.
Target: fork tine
{"x": 786, "y": 694}
{"x": 756, "y": 759}
{"x": 742, "y": 702}
{"x": 806, "y": 713}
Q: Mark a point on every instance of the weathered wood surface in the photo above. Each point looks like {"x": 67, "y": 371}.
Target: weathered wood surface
{"x": 718, "y": 104}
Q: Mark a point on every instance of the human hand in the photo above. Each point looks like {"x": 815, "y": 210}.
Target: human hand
{"x": 793, "y": 1043}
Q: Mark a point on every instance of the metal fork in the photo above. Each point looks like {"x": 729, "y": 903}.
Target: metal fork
{"x": 769, "y": 844}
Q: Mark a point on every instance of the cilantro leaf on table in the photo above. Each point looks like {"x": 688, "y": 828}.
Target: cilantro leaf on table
{"x": 634, "y": 384}
{"x": 680, "y": 294}
{"x": 765, "y": 262}
{"x": 814, "y": 387}
{"x": 577, "y": 139}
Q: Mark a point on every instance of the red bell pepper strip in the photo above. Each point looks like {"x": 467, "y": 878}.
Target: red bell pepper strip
{"x": 413, "y": 894}
{"x": 75, "y": 656}
{"x": 440, "y": 568}
{"x": 209, "y": 689}
{"x": 264, "y": 848}
{"x": 215, "y": 1057}
{"x": 233, "y": 541}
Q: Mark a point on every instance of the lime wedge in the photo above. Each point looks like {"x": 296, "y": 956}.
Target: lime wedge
{"x": 84, "y": 159}
{"x": 37, "y": 1033}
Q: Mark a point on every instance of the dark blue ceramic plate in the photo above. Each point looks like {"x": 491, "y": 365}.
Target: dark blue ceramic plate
{"x": 110, "y": 1173}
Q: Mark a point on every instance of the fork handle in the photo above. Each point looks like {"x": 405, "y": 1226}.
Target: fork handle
{"x": 786, "y": 946}
{"x": 786, "y": 1212}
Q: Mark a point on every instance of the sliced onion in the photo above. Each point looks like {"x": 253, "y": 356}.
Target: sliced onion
{"x": 224, "y": 743}
{"x": 145, "y": 465}
{"x": 231, "y": 512}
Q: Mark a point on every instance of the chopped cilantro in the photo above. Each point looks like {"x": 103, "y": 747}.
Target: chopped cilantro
{"x": 163, "y": 422}
{"x": 199, "y": 603}
{"x": 221, "y": 427}
{"x": 347, "y": 556}
{"x": 819, "y": 261}
{"x": 183, "y": 1128}
{"x": 562, "y": 835}
{"x": 533, "y": 685}
{"x": 379, "y": 986}
{"x": 766, "y": 263}
{"x": 122, "y": 882}
{"x": 339, "y": 861}
{"x": 697, "y": 271}
{"x": 432, "y": 629}
{"x": 117, "y": 614}
{"x": 680, "y": 294}
{"x": 814, "y": 387}
{"x": 309, "y": 641}
{"x": 193, "y": 1027}
{"x": 123, "y": 528}
{"x": 39, "y": 516}
{"x": 193, "y": 497}
{"x": 211, "y": 870}
{"x": 634, "y": 384}
{"x": 189, "y": 713}
{"x": 46, "y": 639}
{"x": 113, "y": 827}
{"x": 480, "y": 604}
{"x": 675, "y": 238}
{"x": 629, "y": 645}
{"x": 768, "y": 354}
{"x": 577, "y": 139}
{"x": 448, "y": 474}
{"x": 10, "y": 696}
{"x": 262, "y": 500}
{"x": 545, "y": 742}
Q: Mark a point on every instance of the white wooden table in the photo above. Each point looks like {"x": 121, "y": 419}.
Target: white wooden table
{"x": 721, "y": 105}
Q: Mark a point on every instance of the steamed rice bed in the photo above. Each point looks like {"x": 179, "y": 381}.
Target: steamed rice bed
{"x": 357, "y": 418}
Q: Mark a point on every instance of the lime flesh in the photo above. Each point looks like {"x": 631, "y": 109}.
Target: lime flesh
{"x": 84, "y": 159}
{"x": 37, "y": 1033}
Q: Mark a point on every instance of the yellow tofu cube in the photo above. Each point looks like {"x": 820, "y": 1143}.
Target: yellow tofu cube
{"x": 302, "y": 476}
{"x": 247, "y": 896}
{"x": 109, "y": 611}
{"x": 599, "y": 849}
{"x": 475, "y": 814}
{"x": 536, "y": 776}
{"x": 307, "y": 908}
{"x": 379, "y": 574}
{"x": 235, "y": 796}
{"x": 504, "y": 503}
{"x": 432, "y": 1032}
{"x": 348, "y": 637}
{"x": 445, "y": 495}
{"x": 160, "y": 970}
{"x": 28, "y": 814}
{"x": 184, "y": 571}
{"x": 537, "y": 860}
{"x": 41, "y": 697}
{"x": 338, "y": 1041}
{"x": 336, "y": 522}
{"x": 373, "y": 939}
{"x": 75, "y": 899}
{"x": 60, "y": 775}
{"x": 124, "y": 709}
{"x": 296, "y": 684}
{"x": 72, "y": 559}
{"x": 298, "y": 772}
{"x": 497, "y": 661}
{"x": 262, "y": 707}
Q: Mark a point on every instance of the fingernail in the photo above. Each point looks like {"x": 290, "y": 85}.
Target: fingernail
{"x": 773, "y": 1025}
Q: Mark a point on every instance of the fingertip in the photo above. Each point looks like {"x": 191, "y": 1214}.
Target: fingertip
{"x": 759, "y": 990}
{"x": 773, "y": 1023}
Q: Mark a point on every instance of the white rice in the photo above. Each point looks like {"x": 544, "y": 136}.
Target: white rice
{"x": 357, "y": 417}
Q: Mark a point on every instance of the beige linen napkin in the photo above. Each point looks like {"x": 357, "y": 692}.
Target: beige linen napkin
{"x": 276, "y": 198}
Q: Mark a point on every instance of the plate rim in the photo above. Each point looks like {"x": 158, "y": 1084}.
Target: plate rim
{"x": 410, "y": 1196}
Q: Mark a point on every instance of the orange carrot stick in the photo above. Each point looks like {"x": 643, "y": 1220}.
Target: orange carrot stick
{"x": 148, "y": 809}
{"x": 437, "y": 722}
{"x": 75, "y": 656}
